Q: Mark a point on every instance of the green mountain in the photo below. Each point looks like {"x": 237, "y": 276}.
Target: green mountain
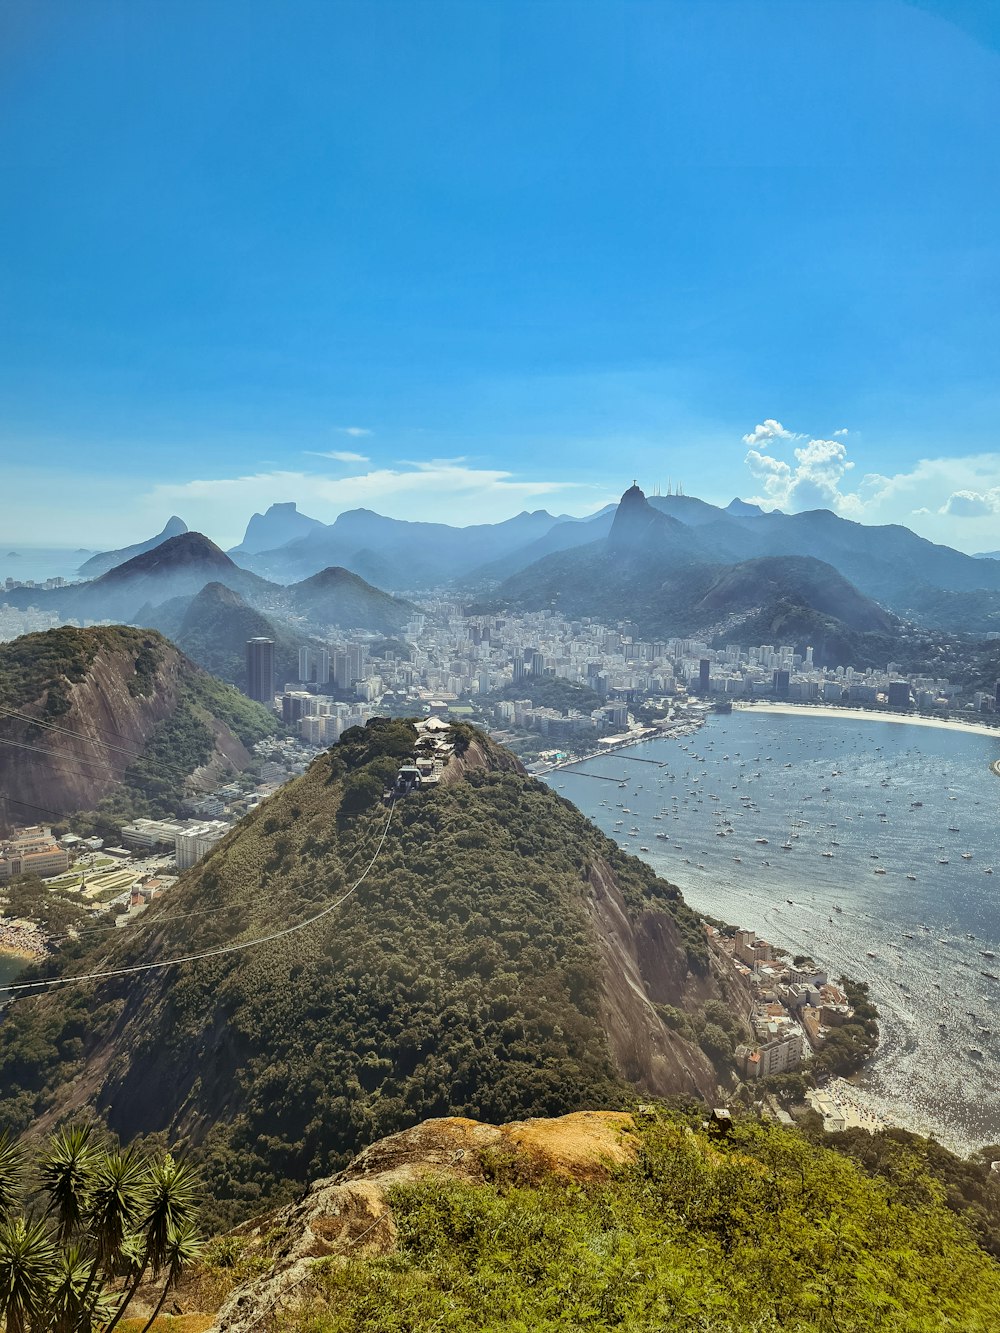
{"x": 502, "y": 958}
{"x": 115, "y": 718}
{"x": 213, "y": 627}
{"x": 338, "y": 597}
{"x": 655, "y": 571}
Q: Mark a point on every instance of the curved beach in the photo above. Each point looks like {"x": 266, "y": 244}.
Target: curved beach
{"x": 870, "y": 715}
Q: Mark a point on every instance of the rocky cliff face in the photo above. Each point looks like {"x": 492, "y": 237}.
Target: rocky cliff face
{"x": 72, "y": 730}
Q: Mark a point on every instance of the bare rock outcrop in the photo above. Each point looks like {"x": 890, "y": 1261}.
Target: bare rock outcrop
{"x": 350, "y": 1214}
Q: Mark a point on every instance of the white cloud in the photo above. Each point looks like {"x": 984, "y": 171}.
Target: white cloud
{"x": 951, "y": 500}
{"x": 339, "y": 455}
{"x": 811, "y": 482}
{"x": 768, "y": 430}
{"x": 356, "y": 432}
{"x": 843, "y": 431}
{"x": 972, "y": 504}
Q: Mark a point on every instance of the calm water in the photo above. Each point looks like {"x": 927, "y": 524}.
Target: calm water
{"x": 40, "y": 563}
{"x": 848, "y": 788}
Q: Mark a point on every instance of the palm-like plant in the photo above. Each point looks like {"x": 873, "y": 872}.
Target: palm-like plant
{"x": 66, "y": 1171}
{"x": 111, "y": 1219}
{"x": 182, "y": 1248}
{"x": 11, "y": 1174}
{"x": 27, "y": 1267}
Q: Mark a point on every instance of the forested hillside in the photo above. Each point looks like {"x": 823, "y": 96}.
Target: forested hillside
{"x": 503, "y": 958}
{"x": 113, "y": 720}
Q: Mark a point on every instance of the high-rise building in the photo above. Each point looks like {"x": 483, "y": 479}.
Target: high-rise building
{"x": 899, "y": 694}
{"x": 349, "y": 665}
{"x": 314, "y": 665}
{"x": 781, "y": 680}
{"x": 260, "y": 670}
{"x": 704, "y": 675}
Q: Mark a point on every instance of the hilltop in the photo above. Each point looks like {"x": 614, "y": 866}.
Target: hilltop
{"x": 113, "y": 714}
{"x": 503, "y": 958}
{"x": 104, "y": 560}
{"x": 213, "y": 627}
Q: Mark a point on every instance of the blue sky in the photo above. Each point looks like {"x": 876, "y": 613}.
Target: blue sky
{"x": 455, "y": 260}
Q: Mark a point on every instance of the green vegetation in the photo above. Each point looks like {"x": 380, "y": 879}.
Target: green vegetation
{"x": 41, "y": 665}
{"x": 82, "y": 1226}
{"x": 847, "y": 1048}
{"x": 52, "y": 908}
{"x": 156, "y": 784}
{"x": 213, "y": 630}
{"x": 758, "y": 1232}
{"x": 968, "y": 1187}
{"x": 462, "y": 977}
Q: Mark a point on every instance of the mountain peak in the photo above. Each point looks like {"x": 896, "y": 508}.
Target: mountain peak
{"x": 182, "y": 552}
{"x": 105, "y": 560}
{"x": 281, "y": 524}
{"x": 742, "y": 509}
{"x": 636, "y": 521}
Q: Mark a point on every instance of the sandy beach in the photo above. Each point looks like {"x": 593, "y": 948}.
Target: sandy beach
{"x": 870, "y": 715}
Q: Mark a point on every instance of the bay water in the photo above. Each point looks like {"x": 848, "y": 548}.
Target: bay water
{"x": 866, "y": 844}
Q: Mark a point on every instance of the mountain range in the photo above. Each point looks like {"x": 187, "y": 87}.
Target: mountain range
{"x": 167, "y": 587}
{"x": 657, "y": 571}
{"x": 906, "y": 574}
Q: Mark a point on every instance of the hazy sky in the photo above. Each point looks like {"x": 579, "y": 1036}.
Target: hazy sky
{"x": 455, "y": 260}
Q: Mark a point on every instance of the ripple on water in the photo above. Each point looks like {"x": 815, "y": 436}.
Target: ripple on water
{"x": 850, "y": 796}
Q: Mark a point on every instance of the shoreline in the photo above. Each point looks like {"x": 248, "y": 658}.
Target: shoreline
{"x": 835, "y": 1098}
{"x": 869, "y": 715}
{"x": 684, "y": 727}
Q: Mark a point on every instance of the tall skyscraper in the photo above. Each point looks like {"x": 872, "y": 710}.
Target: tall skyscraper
{"x": 260, "y": 670}
{"x": 704, "y": 675}
{"x": 314, "y": 665}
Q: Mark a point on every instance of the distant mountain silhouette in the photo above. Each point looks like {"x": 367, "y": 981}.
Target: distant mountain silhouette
{"x": 340, "y": 597}
{"x": 654, "y": 571}
{"x": 104, "y": 560}
{"x": 888, "y": 563}
{"x": 281, "y": 524}
{"x": 155, "y": 588}
{"x": 398, "y": 553}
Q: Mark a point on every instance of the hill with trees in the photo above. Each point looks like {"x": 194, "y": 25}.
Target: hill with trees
{"x": 502, "y": 958}
{"x": 114, "y": 719}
